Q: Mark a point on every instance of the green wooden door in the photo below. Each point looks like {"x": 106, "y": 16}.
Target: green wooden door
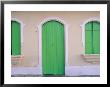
{"x": 53, "y": 50}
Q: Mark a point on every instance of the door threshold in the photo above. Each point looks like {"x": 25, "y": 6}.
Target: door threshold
{"x": 53, "y": 75}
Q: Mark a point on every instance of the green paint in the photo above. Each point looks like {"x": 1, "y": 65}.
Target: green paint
{"x": 96, "y": 37}
{"x": 92, "y": 38}
{"x": 88, "y": 38}
{"x": 53, "y": 51}
{"x": 15, "y": 38}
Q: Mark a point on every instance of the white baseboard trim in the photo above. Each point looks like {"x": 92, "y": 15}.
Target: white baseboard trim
{"x": 82, "y": 70}
{"x": 69, "y": 71}
{"x": 26, "y": 71}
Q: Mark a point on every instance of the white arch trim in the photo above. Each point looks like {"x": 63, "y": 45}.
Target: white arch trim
{"x": 21, "y": 27}
{"x": 83, "y": 30}
{"x": 40, "y": 40}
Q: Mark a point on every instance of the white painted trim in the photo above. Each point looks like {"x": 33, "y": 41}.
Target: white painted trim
{"x": 83, "y": 70}
{"x": 40, "y": 39}
{"x": 83, "y": 30}
{"x": 16, "y": 56}
{"x": 70, "y": 71}
{"x": 26, "y": 71}
{"x": 21, "y": 27}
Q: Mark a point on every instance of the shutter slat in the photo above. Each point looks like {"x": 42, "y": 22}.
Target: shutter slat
{"x": 88, "y": 38}
{"x": 96, "y": 37}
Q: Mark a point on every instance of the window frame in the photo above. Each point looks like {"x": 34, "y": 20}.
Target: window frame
{"x": 83, "y": 33}
{"x": 21, "y": 27}
{"x": 92, "y": 37}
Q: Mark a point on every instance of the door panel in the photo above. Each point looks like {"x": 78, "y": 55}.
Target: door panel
{"x": 53, "y": 56}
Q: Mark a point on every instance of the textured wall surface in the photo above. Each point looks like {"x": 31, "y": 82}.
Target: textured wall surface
{"x": 30, "y": 34}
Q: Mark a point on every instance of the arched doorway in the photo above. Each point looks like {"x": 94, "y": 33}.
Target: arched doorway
{"x": 53, "y": 48}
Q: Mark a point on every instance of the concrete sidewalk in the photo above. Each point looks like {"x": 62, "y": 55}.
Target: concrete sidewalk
{"x": 54, "y": 76}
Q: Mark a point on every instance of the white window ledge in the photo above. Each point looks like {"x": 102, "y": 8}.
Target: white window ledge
{"x": 16, "y": 60}
{"x": 16, "y": 56}
{"x": 91, "y": 58}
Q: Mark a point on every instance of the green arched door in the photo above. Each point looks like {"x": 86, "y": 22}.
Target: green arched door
{"x": 53, "y": 48}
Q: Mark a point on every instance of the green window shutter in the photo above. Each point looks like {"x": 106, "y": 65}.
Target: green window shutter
{"x": 92, "y": 38}
{"x": 88, "y": 26}
{"x": 96, "y": 37}
{"x": 88, "y": 38}
{"x": 15, "y": 38}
